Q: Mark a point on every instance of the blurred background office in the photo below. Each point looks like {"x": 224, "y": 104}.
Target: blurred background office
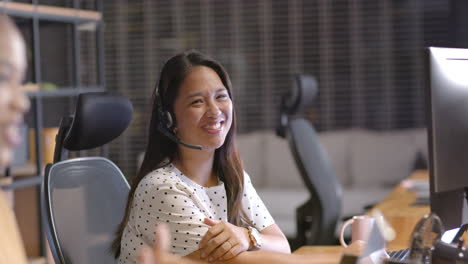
{"x": 366, "y": 55}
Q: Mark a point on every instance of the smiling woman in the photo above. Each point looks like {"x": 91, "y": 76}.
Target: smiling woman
{"x": 192, "y": 176}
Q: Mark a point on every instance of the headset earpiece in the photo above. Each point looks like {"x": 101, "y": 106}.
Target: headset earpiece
{"x": 165, "y": 117}
{"x": 166, "y": 123}
{"x": 169, "y": 122}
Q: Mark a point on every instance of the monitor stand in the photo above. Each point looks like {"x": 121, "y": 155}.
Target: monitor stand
{"x": 451, "y": 207}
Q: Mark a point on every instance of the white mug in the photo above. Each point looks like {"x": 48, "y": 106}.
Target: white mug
{"x": 360, "y": 229}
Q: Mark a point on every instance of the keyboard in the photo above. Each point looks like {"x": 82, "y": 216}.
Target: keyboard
{"x": 399, "y": 255}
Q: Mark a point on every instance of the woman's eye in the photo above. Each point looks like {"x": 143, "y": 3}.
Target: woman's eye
{"x": 198, "y": 101}
{"x": 222, "y": 96}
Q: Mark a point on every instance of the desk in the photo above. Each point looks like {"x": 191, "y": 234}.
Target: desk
{"x": 326, "y": 254}
{"x": 401, "y": 215}
{"x": 397, "y": 209}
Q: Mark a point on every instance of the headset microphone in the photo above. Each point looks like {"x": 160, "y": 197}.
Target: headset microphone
{"x": 176, "y": 139}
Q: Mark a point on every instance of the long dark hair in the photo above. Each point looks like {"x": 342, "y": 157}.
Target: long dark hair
{"x": 161, "y": 150}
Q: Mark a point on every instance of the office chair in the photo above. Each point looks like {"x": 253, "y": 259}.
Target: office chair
{"x": 318, "y": 217}
{"x": 83, "y": 199}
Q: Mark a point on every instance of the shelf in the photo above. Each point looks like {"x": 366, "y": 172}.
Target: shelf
{"x": 22, "y": 183}
{"x": 26, "y": 170}
{"x": 63, "y": 92}
{"x": 52, "y": 13}
{"x": 23, "y": 177}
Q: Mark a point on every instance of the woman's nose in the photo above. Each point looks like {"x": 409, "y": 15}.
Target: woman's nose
{"x": 214, "y": 110}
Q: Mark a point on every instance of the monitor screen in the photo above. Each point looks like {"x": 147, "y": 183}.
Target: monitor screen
{"x": 447, "y": 112}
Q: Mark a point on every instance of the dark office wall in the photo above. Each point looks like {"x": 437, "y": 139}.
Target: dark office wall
{"x": 459, "y": 23}
{"x": 367, "y": 56}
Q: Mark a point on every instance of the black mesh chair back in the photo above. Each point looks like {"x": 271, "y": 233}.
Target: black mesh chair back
{"x": 318, "y": 217}
{"x": 83, "y": 199}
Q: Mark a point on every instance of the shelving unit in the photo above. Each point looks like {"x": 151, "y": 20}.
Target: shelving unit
{"x": 64, "y": 92}
{"x": 60, "y": 14}
{"x": 38, "y": 16}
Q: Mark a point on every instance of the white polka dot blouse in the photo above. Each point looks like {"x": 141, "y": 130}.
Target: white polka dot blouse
{"x": 167, "y": 195}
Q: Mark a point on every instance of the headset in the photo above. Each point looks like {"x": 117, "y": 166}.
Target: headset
{"x": 166, "y": 122}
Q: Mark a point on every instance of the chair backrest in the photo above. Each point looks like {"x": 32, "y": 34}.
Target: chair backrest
{"x": 321, "y": 213}
{"x": 85, "y": 201}
{"x": 318, "y": 217}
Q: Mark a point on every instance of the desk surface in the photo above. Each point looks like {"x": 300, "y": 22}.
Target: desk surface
{"x": 401, "y": 215}
{"x": 398, "y": 211}
{"x": 326, "y": 254}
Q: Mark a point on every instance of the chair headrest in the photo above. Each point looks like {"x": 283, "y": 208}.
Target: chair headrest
{"x": 296, "y": 100}
{"x": 99, "y": 118}
{"x": 301, "y": 95}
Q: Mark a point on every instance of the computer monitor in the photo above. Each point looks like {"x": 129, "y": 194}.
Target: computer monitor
{"x": 447, "y": 115}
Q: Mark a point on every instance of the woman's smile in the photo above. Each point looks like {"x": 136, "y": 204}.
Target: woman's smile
{"x": 214, "y": 127}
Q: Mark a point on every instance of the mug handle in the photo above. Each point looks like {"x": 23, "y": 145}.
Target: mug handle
{"x": 343, "y": 227}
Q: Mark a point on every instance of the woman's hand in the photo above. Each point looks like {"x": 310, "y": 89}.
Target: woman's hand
{"x": 223, "y": 240}
{"x": 159, "y": 253}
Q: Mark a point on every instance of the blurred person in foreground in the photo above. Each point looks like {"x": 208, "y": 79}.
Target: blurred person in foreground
{"x": 13, "y": 101}
{"x": 13, "y": 105}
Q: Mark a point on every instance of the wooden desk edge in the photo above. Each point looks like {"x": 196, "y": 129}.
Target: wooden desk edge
{"x": 322, "y": 254}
